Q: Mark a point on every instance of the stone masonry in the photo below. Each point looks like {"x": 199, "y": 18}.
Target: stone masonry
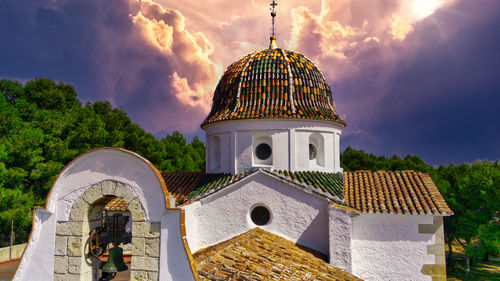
{"x": 437, "y": 270}
{"x": 72, "y": 261}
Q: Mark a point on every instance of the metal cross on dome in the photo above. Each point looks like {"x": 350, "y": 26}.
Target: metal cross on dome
{"x": 273, "y": 13}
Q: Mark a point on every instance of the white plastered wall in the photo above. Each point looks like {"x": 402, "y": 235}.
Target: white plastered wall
{"x": 37, "y": 262}
{"x": 390, "y": 247}
{"x": 174, "y": 261}
{"x": 296, "y": 214}
{"x": 290, "y": 139}
{"x": 340, "y": 230}
{"x": 225, "y": 153}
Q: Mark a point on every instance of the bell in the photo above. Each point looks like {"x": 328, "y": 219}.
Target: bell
{"x": 115, "y": 262}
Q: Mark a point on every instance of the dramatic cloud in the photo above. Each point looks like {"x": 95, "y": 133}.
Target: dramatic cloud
{"x": 409, "y": 76}
{"x": 136, "y": 54}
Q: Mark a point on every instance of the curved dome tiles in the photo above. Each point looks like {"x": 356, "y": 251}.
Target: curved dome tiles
{"x": 272, "y": 83}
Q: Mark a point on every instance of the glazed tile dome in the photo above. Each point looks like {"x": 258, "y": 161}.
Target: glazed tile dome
{"x": 272, "y": 83}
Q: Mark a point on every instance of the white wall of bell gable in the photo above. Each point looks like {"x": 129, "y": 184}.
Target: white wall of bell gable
{"x": 390, "y": 247}
{"x": 174, "y": 261}
{"x": 296, "y": 214}
{"x": 37, "y": 262}
{"x": 107, "y": 164}
{"x": 290, "y": 138}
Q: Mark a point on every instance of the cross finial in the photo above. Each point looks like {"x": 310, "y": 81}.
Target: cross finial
{"x": 273, "y": 13}
{"x": 273, "y": 5}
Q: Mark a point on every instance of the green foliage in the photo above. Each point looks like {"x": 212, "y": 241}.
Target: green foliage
{"x": 471, "y": 191}
{"x": 352, "y": 160}
{"x": 43, "y": 126}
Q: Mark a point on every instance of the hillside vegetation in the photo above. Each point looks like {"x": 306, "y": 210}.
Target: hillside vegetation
{"x": 43, "y": 126}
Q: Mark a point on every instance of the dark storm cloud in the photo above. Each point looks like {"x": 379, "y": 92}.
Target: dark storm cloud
{"x": 442, "y": 97}
{"x": 132, "y": 53}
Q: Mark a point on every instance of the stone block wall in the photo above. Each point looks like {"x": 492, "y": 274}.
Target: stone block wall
{"x": 437, "y": 270}
{"x": 72, "y": 261}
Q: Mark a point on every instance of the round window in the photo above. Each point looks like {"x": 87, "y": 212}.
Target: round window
{"x": 263, "y": 151}
{"x": 260, "y": 215}
{"x": 312, "y": 151}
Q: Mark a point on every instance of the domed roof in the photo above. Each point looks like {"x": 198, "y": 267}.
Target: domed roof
{"x": 272, "y": 83}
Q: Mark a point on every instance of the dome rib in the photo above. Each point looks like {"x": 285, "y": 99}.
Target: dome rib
{"x": 272, "y": 83}
{"x": 241, "y": 81}
{"x": 290, "y": 82}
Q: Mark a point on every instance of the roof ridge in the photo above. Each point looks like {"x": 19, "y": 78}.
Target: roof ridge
{"x": 181, "y": 172}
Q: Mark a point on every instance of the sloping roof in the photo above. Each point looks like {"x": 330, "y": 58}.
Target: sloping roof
{"x": 210, "y": 183}
{"x": 400, "y": 192}
{"x": 116, "y": 204}
{"x": 272, "y": 83}
{"x": 260, "y": 255}
{"x": 180, "y": 184}
{"x": 328, "y": 185}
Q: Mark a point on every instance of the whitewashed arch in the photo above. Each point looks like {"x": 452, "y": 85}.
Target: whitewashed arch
{"x": 109, "y": 164}
{"x": 317, "y": 141}
{"x": 141, "y": 178}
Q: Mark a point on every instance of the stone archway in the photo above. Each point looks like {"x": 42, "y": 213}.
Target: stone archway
{"x": 72, "y": 261}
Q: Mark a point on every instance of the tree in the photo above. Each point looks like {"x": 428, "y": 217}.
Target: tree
{"x": 43, "y": 126}
{"x": 352, "y": 160}
{"x": 473, "y": 193}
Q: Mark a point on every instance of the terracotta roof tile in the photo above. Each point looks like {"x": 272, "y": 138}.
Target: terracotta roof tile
{"x": 260, "y": 255}
{"x": 180, "y": 184}
{"x": 400, "y": 192}
{"x": 116, "y": 204}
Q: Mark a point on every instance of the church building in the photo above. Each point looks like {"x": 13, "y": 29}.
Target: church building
{"x": 273, "y": 203}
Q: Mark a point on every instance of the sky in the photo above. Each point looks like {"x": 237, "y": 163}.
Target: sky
{"x": 418, "y": 77}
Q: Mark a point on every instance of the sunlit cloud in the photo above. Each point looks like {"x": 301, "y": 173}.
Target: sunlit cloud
{"x": 194, "y": 73}
{"x": 399, "y": 27}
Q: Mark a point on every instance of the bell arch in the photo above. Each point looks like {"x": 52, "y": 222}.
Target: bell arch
{"x": 72, "y": 259}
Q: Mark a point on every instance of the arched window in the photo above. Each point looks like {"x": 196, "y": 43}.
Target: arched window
{"x": 262, "y": 149}
{"x": 316, "y": 150}
{"x": 215, "y": 152}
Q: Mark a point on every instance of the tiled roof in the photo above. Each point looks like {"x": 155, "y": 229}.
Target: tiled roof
{"x": 400, "y": 192}
{"x": 327, "y": 185}
{"x": 260, "y": 255}
{"x": 180, "y": 184}
{"x": 213, "y": 182}
{"x": 116, "y": 204}
{"x": 272, "y": 83}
